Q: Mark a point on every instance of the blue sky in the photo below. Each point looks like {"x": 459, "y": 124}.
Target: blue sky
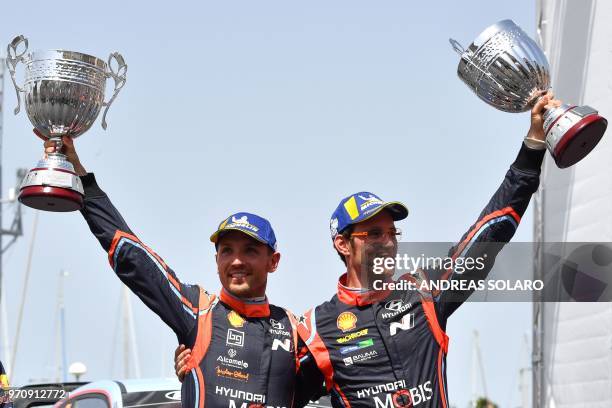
{"x": 278, "y": 108}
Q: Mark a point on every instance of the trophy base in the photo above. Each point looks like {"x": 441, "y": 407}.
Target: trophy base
{"x": 54, "y": 199}
{"x": 579, "y": 141}
{"x": 52, "y": 186}
{"x": 572, "y": 132}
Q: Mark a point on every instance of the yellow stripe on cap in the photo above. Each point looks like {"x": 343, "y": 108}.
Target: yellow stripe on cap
{"x": 351, "y": 208}
{"x": 223, "y": 224}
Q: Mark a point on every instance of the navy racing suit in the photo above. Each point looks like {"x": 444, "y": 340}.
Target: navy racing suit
{"x": 244, "y": 354}
{"x": 388, "y": 349}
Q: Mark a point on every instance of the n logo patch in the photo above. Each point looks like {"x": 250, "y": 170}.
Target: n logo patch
{"x": 284, "y": 344}
{"x": 406, "y": 323}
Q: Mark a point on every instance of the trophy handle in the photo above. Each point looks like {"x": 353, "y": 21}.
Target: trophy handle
{"x": 468, "y": 58}
{"x": 456, "y": 46}
{"x": 12, "y": 59}
{"x": 119, "y": 76}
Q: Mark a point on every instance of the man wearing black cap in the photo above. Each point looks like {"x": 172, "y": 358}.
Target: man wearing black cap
{"x": 244, "y": 350}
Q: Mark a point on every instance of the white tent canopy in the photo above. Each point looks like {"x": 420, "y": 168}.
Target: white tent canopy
{"x": 573, "y": 342}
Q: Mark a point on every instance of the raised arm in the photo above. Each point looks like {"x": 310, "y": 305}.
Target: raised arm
{"x": 141, "y": 269}
{"x": 500, "y": 218}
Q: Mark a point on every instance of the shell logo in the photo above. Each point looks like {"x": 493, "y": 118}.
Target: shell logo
{"x": 346, "y": 321}
{"x": 235, "y": 319}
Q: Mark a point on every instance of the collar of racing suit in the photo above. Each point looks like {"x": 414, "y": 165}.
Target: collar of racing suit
{"x": 248, "y": 308}
{"x": 358, "y": 296}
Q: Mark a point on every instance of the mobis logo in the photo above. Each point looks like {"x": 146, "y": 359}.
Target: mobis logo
{"x": 397, "y": 395}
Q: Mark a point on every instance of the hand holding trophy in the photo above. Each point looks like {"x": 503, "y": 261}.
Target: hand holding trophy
{"x": 508, "y": 70}
{"x": 64, "y": 93}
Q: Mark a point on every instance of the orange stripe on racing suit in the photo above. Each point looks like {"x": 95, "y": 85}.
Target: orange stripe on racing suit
{"x": 392, "y": 351}
{"x": 119, "y": 235}
{"x": 316, "y": 347}
{"x": 244, "y": 358}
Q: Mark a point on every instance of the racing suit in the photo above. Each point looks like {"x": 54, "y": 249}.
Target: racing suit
{"x": 244, "y": 354}
{"x": 388, "y": 349}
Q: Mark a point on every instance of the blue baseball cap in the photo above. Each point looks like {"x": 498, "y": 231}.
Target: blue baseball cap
{"x": 361, "y": 206}
{"x": 250, "y": 224}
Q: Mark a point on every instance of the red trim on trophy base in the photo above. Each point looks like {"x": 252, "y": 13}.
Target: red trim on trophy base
{"x": 579, "y": 140}
{"x": 49, "y": 198}
{"x": 557, "y": 119}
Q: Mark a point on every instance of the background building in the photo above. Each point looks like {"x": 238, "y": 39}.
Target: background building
{"x": 572, "y": 341}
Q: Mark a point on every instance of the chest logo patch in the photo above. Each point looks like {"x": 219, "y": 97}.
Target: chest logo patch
{"x": 235, "y": 319}
{"x": 346, "y": 321}
{"x": 235, "y": 338}
{"x": 277, "y": 325}
{"x": 352, "y": 336}
{"x": 406, "y": 323}
{"x": 284, "y": 344}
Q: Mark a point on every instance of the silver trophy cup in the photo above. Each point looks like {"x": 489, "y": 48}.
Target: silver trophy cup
{"x": 508, "y": 70}
{"x": 64, "y": 93}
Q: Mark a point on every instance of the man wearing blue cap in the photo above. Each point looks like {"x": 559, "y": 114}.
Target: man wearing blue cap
{"x": 387, "y": 348}
{"x": 244, "y": 350}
